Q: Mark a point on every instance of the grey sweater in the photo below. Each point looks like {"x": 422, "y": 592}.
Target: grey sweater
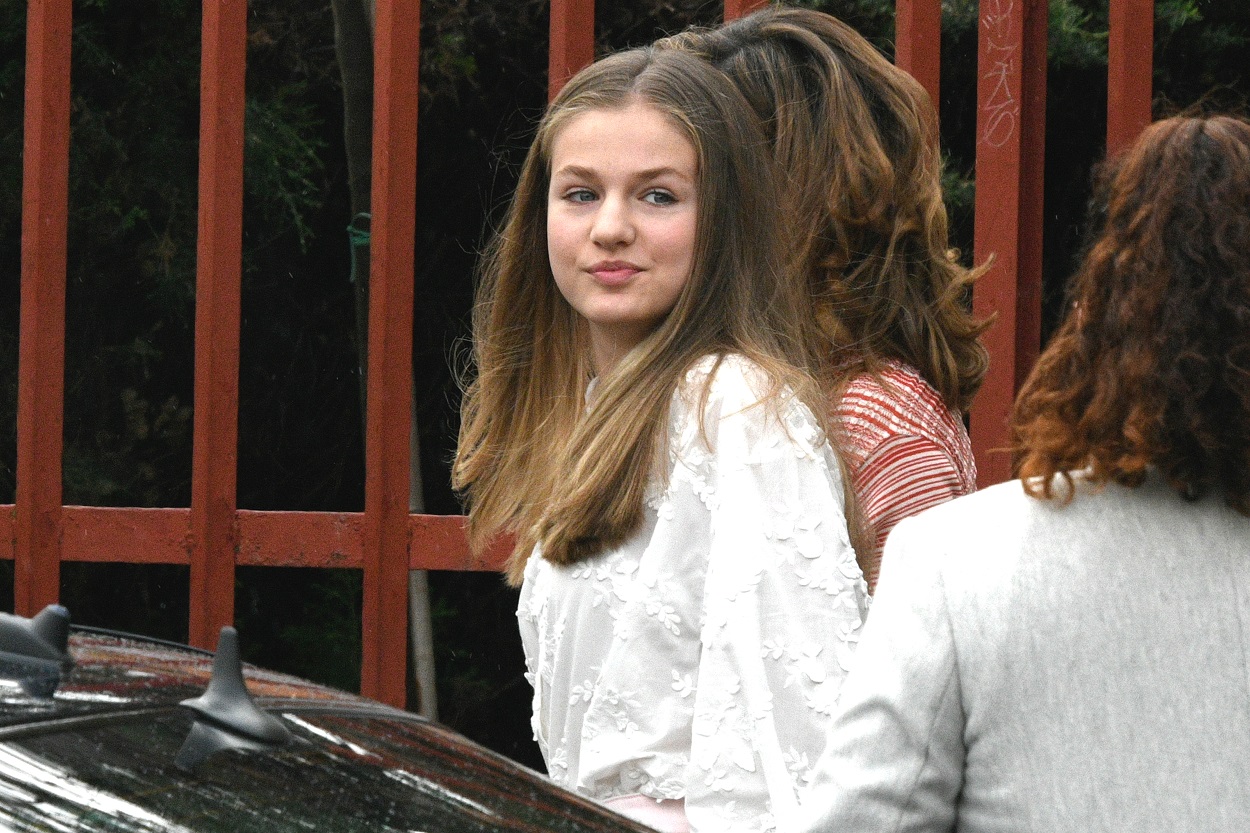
{"x": 1030, "y": 666}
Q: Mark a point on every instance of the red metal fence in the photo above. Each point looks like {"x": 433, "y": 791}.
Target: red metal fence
{"x": 213, "y": 536}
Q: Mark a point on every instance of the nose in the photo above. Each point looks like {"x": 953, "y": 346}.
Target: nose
{"x": 613, "y": 224}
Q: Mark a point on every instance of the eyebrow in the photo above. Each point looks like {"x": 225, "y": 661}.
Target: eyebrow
{"x": 648, "y": 173}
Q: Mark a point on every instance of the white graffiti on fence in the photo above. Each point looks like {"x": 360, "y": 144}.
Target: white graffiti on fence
{"x": 1001, "y": 108}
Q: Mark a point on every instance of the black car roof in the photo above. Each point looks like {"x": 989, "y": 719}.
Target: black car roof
{"x": 113, "y": 674}
{"x": 118, "y": 682}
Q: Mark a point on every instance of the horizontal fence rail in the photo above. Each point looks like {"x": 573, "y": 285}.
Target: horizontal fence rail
{"x": 212, "y": 536}
{"x": 112, "y": 535}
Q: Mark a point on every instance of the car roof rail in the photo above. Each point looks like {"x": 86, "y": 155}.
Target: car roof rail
{"x": 225, "y": 715}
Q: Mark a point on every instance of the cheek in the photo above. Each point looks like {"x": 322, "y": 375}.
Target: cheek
{"x": 561, "y": 242}
{"x": 561, "y": 255}
{"x": 678, "y": 240}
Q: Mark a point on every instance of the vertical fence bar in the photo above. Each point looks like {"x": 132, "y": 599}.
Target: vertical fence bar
{"x": 388, "y": 394}
{"x": 572, "y": 46}
{"x": 41, "y": 340}
{"x": 735, "y": 9}
{"x": 218, "y": 281}
{"x": 1130, "y": 68}
{"x": 1011, "y": 125}
{"x": 918, "y": 43}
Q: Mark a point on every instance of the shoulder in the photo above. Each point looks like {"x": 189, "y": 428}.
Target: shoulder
{"x": 1001, "y": 531}
{"x": 896, "y": 383}
{"x": 969, "y": 536}
{"x": 898, "y": 402}
{"x": 1007, "y": 566}
{"x": 897, "y": 396}
{"x": 898, "y": 390}
{"x": 1076, "y": 500}
{"x": 731, "y": 378}
{"x": 972, "y": 516}
{"x": 733, "y": 394}
{"x": 964, "y": 555}
{"x": 718, "y": 387}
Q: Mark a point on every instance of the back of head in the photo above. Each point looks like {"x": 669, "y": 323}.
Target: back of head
{"x": 856, "y": 138}
{"x": 1151, "y": 367}
{"x": 531, "y": 457}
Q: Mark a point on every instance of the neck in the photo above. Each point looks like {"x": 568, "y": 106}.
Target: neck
{"x": 605, "y": 356}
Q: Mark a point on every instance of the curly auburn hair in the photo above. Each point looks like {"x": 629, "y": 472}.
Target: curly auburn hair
{"x": 1151, "y": 368}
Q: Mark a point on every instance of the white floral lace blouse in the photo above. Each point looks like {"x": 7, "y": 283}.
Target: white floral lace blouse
{"x": 701, "y": 660}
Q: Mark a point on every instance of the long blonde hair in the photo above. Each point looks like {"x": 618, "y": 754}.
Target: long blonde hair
{"x": 532, "y": 460}
{"x": 855, "y": 138}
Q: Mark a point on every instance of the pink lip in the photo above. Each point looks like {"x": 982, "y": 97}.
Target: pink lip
{"x": 613, "y": 271}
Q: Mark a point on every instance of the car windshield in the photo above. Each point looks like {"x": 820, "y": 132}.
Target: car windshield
{"x": 343, "y": 771}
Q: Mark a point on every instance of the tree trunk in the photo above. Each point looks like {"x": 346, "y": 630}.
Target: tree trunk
{"x": 353, "y": 45}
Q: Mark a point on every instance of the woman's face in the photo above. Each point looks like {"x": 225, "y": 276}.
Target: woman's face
{"x": 621, "y": 215}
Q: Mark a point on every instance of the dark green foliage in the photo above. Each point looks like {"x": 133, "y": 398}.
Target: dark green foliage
{"x": 150, "y": 599}
{"x": 132, "y": 238}
{"x": 12, "y": 57}
{"x": 130, "y": 289}
{"x": 1202, "y": 53}
{"x": 303, "y": 621}
{"x": 284, "y": 163}
{"x": 481, "y": 690}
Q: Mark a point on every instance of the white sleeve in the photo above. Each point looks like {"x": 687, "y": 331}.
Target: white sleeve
{"x": 895, "y": 759}
{"x": 783, "y": 604}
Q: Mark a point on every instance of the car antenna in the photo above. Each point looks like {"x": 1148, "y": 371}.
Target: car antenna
{"x": 36, "y": 650}
{"x": 225, "y": 715}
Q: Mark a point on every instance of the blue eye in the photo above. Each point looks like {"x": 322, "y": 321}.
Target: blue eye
{"x": 580, "y": 195}
{"x": 657, "y": 196}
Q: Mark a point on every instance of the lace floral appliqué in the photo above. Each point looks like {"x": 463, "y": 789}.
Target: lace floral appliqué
{"x": 701, "y": 659}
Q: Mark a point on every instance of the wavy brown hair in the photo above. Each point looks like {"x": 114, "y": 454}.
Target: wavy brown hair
{"x": 855, "y": 138}
{"x": 1151, "y": 367}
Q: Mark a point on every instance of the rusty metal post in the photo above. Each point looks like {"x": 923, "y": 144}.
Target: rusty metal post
{"x": 1130, "y": 67}
{"x": 1011, "y": 127}
{"x": 388, "y": 395}
{"x": 918, "y": 43}
{"x": 572, "y": 46}
{"x": 41, "y": 340}
{"x": 735, "y": 9}
{"x": 218, "y": 279}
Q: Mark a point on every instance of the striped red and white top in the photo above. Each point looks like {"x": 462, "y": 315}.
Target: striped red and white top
{"x": 905, "y": 449}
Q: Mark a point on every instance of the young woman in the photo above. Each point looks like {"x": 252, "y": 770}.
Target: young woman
{"x": 689, "y": 591}
{"x": 1070, "y": 651}
{"x": 855, "y": 137}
